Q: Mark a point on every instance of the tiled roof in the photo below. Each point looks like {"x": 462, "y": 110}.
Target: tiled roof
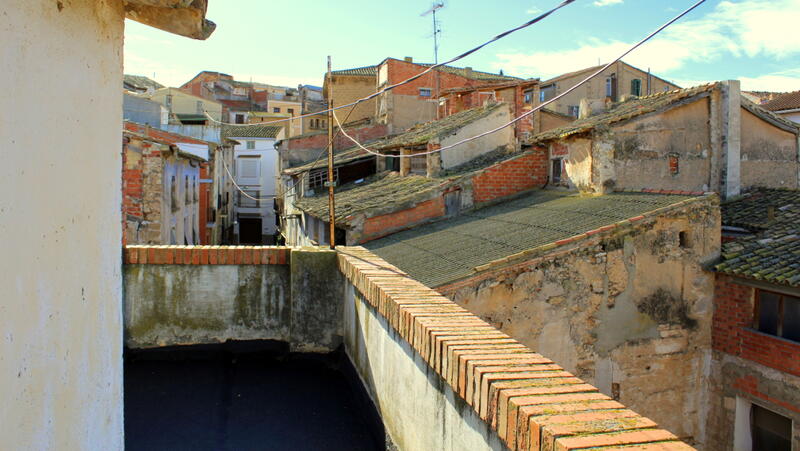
{"x": 160, "y": 135}
{"x": 443, "y": 252}
{"x": 472, "y": 74}
{"x": 622, "y": 112}
{"x": 339, "y": 157}
{"x": 385, "y": 190}
{"x": 250, "y": 131}
{"x": 788, "y": 101}
{"x": 141, "y": 82}
{"x": 772, "y": 253}
{"x": 364, "y": 71}
{"x": 420, "y": 134}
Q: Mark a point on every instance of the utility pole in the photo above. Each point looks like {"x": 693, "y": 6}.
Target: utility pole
{"x": 331, "y": 183}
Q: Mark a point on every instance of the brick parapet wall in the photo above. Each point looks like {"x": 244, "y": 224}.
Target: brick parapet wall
{"x": 206, "y": 255}
{"x": 528, "y": 400}
{"x": 732, "y": 331}
{"x": 511, "y": 177}
{"x": 382, "y": 225}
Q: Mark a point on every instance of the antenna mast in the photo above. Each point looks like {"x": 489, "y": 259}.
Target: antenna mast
{"x": 436, "y": 32}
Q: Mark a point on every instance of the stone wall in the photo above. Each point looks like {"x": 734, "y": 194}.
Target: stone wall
{"x": 178, "y": 295}
{"x": 441, "y": 378}
{"x": 627, "y": 308}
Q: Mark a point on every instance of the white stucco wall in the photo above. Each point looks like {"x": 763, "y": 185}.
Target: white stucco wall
{"x": 60, "y": 225}
{"x": 264, "y": 148}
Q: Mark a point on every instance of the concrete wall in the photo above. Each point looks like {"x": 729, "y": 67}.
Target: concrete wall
{"x": 769, "y": 154}
{"x": 141, "y": 110}
{"x": 193, "y": 295}
{"x": 60, "y": 231}
{"x": 468, "y": 151}
{"x": 629, "y": 313}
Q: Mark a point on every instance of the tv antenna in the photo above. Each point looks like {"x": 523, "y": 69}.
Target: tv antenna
{"x": 437, "y": 30}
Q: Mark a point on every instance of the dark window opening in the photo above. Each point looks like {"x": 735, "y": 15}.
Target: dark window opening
{"x": 769, "y": 430}
{"x": 777, "y": 314}
{"x": 424, "y": 92}
{"x": 684, "y": 240}
{"x": 636, "y": 87}
{"x": 556, "y": 173}
{"x": 528, "y": 97}
{"x": 240, "y": 118}
{"x": 573, "y": 110}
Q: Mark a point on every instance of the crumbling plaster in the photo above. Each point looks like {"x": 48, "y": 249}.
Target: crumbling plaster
{"x": 630, "y": 313}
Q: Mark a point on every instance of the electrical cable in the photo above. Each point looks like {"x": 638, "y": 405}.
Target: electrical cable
{"x": 426, "y": 71}
{"x": 540, "y": 106}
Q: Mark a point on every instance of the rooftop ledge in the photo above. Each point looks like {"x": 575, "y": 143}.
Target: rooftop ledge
{"x": 439, "y": 375}
{"x": 182, "y": 17}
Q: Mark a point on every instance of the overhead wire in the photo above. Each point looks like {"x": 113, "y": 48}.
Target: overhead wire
{"x": 431, "y": 68}
{"x": 538, "y": 107}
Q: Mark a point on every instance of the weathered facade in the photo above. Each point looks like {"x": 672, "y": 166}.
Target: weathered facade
{"x": 185, "y": 108}
{"x": 348, "y": 85}
{"x": 755, "y": 390}
{"x": 626, "y": 305}
{"x": 706, "y": 138}
{"x": 619, "y": 81}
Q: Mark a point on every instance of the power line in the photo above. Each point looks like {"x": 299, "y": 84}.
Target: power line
{"x": 540, "y": 106}
{"x": 426, "y": 71}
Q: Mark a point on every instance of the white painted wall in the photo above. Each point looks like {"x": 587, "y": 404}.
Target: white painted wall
{"x": 60, "y": 225}
{"x": 264, "y": 149}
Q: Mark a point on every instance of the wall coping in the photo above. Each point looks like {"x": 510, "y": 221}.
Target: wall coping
{"x": 206, "y": 255}
{"x": 530, "y": 401}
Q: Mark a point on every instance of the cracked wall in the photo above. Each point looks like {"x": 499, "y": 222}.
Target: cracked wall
{"x": 629, "y": 313}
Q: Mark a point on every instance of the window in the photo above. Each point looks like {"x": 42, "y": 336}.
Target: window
{"x": 424, "y": 92}
{"x": 769, "y": 430}
{"x": 674, "y": 164}
{"x": 251, "y": 145}
{"x": 290, "y": 111}
{"x": 611, "y": 87}
{"x": 276, "y": 110}
{"x": 169, "y": 101}
{"x": 636, "y": 87}
{"x": 528, "y": 97}
{"x": 573, "y": 110}
{"x": 240, "y": 118}
{"x": 777, "y": 314}
{"x": 200, "y": 107}
{"x": 317, "y": 178}
{"x": 556, "y": 173}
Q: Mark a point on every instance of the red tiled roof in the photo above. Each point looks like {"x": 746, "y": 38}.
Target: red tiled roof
{"x": 160, "y": 135}
{"x": 788, "y": 101}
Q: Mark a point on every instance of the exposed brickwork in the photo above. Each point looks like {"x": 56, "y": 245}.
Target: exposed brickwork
{"x": 749, "y": 385}
{"x": 732, "y": 331}
{"x": 378, "y": 226}
{"x": 361, "y": 134}
{"x": 510, "y": 177}
{"x": 206, "y": 255}
{"x": 516, "y": 391}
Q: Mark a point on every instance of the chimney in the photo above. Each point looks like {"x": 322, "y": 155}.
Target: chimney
{"x": 408, "y": 59}
{"x": 468, "y": 72}
{"x": 731, "y": 137}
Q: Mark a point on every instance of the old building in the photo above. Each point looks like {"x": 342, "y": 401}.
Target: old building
{"x": 188, "y": 109}
{"x": 140, "y": 84}
{"x": 706, "y": 138}
{"x": 140, "y": 109}
{"x": 255, "y": 174}
{"x": 755, "y": 396}
{"x": 289, "y": 109}
{"x": 166, "y": 187}
{"x": 616, "y": 83}
{"x": 612, "y": 287}
{"x": 785, "y": 105}
{"x": 348, "y": 85}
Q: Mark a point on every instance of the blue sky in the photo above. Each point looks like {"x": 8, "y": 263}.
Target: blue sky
{"x": 287, "y": 42}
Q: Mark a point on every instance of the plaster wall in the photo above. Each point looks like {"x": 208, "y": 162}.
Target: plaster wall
{"x": 419, "y": 409}
{"x": 183, "y": 103}
{"x": 642, "y": 149}
{"x": 577, "y": 166}
{"x": 551, "y": 121}
{"x": 769, "y": 154}
{"x": 404, "y": 111}
{"x": 629, "y": 313}
{"x": 468, "y": 151}
{"x": 60, "y": 225}
{"x": 266, "y": 155}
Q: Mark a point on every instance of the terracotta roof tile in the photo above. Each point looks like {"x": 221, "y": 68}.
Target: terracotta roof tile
{"x": 788, "y": 101}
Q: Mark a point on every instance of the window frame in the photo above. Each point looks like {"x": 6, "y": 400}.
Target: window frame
{"x": 781, "y": 313}
{"x": 428, "y": 90}
{"x": 553, "y": 179}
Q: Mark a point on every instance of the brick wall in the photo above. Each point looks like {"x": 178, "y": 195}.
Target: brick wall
{"x": 378, "y": 226}
{"x": 206, "y": 255}
{"x": 402, "y": 70}
{"x": 140, "y": 159}
{"x": 510, "y": 177}
{"x": 517, "y": 395}
{"x": 732, "y": 330}
{"x": 319, "y": 141}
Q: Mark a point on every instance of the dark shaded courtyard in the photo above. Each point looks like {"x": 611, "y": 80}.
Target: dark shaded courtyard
{"x": 246, "y": 396}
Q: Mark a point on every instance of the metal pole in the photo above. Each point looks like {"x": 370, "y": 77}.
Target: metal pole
{"x": 331, "y": 183}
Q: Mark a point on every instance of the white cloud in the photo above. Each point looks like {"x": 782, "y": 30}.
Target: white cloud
{"x": 606, "y": 2}
{"x": 533, "y": 11}
{"x": 749, "y": 28}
